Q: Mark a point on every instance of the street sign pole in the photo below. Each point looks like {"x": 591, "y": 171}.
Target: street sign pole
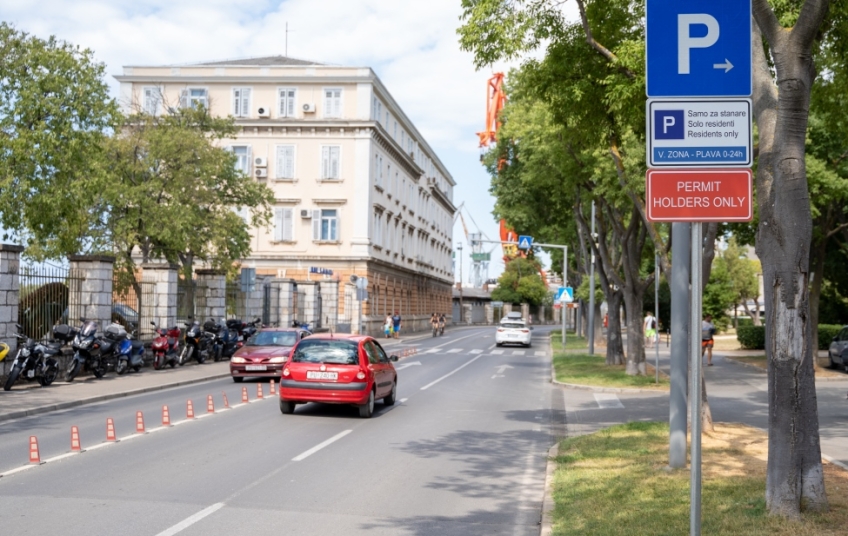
{"x": 592, "y": 288}
{"x": 657, "y": 315}
{"x": 679, "y": 363}
{"x": 695, "y": 384}
{"x": 565, "y": 284}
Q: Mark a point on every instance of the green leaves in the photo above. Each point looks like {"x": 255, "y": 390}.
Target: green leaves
{"x": 521, "y": 282}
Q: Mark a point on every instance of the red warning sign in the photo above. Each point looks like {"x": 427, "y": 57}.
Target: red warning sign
{"x": 694, "y": 195}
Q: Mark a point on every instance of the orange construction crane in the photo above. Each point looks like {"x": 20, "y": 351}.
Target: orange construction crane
{"x": 495, "y": 101}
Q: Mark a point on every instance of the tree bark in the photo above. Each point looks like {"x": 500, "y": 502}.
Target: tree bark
{"x": 615, "y": 344}
{"x": 635, "y": 333}
{"x": 795, "y": 479}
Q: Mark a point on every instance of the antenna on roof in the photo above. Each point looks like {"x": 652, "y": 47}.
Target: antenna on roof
{"x": 287, "y": 40}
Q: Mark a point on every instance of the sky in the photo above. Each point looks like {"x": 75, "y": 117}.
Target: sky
{"x": 412, "y": 46}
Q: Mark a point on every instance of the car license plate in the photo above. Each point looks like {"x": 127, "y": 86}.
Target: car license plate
{"x": 512, "y": 335}
{"x": 255, "y": 367}
{"x": 316, "y": 375}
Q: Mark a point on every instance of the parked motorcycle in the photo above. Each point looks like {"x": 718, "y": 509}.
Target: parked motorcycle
{"x": 165, "y": 346}
{"x": 88, "y": 349}
{"x": 130, "y": 355}
{"x": 226, "y": 341}
{"x": 34, "y": 361}
{"x": 199, "y": 342}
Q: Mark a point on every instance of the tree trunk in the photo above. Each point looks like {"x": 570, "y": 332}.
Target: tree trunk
{"x": 794, "y": 480}
{"x": 615, "y": 346}
{"x": 819, "y": 248}
{"x": 635, "y": 332}
{"x": 599, "y": 325}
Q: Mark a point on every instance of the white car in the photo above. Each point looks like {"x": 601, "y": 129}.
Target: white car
{"x": 513, "y": 332}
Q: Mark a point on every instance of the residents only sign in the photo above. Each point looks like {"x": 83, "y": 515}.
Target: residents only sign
{"x": 699, "y": 195}
{"x": 699, "y": 132}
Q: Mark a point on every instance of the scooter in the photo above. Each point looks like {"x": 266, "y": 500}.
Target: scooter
{"x": 197, "y": 343}
{"x": 226, "y": 342}
{"x": 130, "y": 355}
{"x": 87, "y": 351}
{"x": 34, "y": 361}
{"x": 165, "y": 346}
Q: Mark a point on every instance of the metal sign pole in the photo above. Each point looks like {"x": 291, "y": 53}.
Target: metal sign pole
{"x": 695, "y": 384}
{"x": 565, "y": 284}
{"x": 657, "y": 316}
{"x": 592, "y": 288}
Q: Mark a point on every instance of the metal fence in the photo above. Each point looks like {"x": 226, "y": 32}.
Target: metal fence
{"x": 129, "y": 297}
{"x": 44, "y": 298}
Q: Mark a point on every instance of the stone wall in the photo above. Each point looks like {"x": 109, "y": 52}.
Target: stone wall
{"x": 10, "y": 261}
{"x": 90, "y": 289}
{"x": 159, "y": 296}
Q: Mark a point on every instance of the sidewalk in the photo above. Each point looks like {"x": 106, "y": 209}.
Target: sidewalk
{"x": 25, "y": 400}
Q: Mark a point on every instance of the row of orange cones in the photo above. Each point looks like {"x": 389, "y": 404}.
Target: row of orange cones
{"x": 408, "y": 352}
{"x": 76, "y": 446}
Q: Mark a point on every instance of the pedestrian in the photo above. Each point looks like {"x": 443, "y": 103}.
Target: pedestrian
{"x": 606, "y": 321}
{"x": 396, "y": 322}
{"x": 387, "y": 326}
{"x": 707, "y": 331}
{"x": 650, "y": 329}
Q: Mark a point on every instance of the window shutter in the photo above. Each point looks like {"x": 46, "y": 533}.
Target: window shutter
{"x": 184, "y": 98}
{"x": 278, "y": 224}
{"x": 316, "y": 225}
{"x": 236, "y": 101}
{"x": 288, "y": 224}
{"x": 334, "y": 162}
{"x": 245, "y": 110}
{"x": 289, "y": 159}
{"x": 325, "y": 162}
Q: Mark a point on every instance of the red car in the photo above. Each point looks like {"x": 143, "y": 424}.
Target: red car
{"x": 264, "y": 354}
{"x": 339, "y": 369}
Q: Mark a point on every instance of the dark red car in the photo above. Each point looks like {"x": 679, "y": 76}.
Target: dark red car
{"x": 339, "y": 369}
{"x": 265, "y": 354}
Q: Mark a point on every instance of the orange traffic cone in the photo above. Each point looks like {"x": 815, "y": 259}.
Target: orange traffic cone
{"x": 226, "y": 402}
{"x": 210, "y": 404}
{"x": 110, "y": 430}
{"x": 34, "y": 456}
{"x": 244, "y": 399}
{"x": 259, "y": 394}
{"x": 166, "y": 416}
{"x": 273, "y": 387}
{"x": 139, "y": 422}
{"x": 75, "y": 440}
{"x": 189, "y": 410}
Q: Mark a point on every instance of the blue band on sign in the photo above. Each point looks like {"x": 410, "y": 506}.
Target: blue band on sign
{"x": 701, "y": 154}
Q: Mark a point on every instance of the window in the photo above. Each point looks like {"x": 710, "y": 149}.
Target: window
{"x": 371, "y": 352}
{"x": 241, "y": 101}
{"x": 395, "y": 134}
{"x": 387, "y": 120}
{"x": 286, "y": 97}
{"x": 389, "y": 180}
{"x": 283, "y": 224}
{"x": 378, "y": 229}
{"x": 332, "y": 102}
{"x": 242, "y": 153}
{"x": 152, "y": 100}
{"x": 194, "y": 97}
{"x": 285, "y": 161}
{"x": 330, "y": 161}
{"x": 325, "y": 225}
{"x": 378, "y": 109}
{"x": 378, "y": 170}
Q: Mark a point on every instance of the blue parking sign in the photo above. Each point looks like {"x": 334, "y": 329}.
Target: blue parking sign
{"x": 699, "y": 48}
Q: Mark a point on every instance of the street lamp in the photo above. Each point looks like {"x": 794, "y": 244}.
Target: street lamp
{"x": 459, "y": 247}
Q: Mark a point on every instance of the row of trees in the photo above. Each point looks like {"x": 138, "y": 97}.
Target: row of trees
{"x": 77, "y": 175}
{"x": 573, "y": 135}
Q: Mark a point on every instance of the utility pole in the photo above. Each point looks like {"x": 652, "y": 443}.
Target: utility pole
{"x": 591, "y": 333}
{"x": 679, "y": 364}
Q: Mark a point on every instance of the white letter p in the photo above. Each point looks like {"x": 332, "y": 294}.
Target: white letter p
{"x": 685, "y": 42}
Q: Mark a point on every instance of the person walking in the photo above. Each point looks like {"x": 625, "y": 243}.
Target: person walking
{"x": 707, "y": 331}
{"x": 387, "y": 326}
{"x": 396, "y": 323}
{"x": 650, "y": 329}
{"x": 442, "y": 324}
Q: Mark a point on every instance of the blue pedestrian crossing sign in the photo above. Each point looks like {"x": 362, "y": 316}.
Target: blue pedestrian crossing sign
{"x": 564, "y": 295}
{"x": 525, "y": 242}
{"x": 698, "y": 48}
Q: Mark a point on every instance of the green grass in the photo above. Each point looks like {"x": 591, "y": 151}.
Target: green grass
{"x": 614, "y": 482}
{"x": 572, "y": 341}
{"x": 592, "y": 370}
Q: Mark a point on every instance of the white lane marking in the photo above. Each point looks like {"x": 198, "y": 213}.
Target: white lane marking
{"x": 191, "y": 520}
{"x": 101, "y": 445}
{"x": 62, "y": 456}
{"x": 477, "y": 351}
{"x": 497, "y": 352}
{"x": 413, "y": 363}
{"x": 540, "y": 353}
{"x": 320, "y": 446}
{"x": 21, "y": 468}
{"x": 502, "y": 368}
{"x": 518, "y": 352}
{"x": 431, "y": 351}
{"x": 403, "y": 400}
{"x": 454, "y": 351}
{"x": 608, "y": 400}
{"x": 498, "y": 376}
{"x": 454, "y": 371}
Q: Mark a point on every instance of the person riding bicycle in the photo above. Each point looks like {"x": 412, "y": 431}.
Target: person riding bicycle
{"x": 434, "y": 323}
{"x": 441, "y": 324}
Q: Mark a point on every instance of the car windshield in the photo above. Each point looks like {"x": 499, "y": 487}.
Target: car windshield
{"x": 273, "y": 338}
{"x": 512, "y": 325}
{"x": 336, "y": 352}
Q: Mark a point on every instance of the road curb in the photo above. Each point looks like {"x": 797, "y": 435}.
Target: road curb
{"x": 101, "y": 398}
{"x": 600, "y": 389}
{"x": 548, "y": 502}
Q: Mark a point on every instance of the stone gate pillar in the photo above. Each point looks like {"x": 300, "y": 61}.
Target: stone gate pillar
{"x": 211, "y": 300}
{"x": 329, "y": 303}
{"x": 90, "y": 289}
{"x": 10, "y": 262}
{"x": 158, "y": 297}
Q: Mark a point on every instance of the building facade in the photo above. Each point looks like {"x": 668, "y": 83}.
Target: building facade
{"x": 358, "y": 191}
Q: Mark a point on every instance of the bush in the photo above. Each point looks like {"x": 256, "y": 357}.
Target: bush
{"x": 752, "y": 337}
{"x": 826, "y": 334}
{"x": 743, "y": 321}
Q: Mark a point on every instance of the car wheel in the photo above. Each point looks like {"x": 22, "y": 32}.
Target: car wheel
{"x": 238, "y": 379}
{"x": 73, "y": 370}
{"x": 390, "y": 399}
{"x": 121, "y": 367}
{"x": 13, "y": 377}
{"x": 367, "y": 409}
{"x": 832, "y": 364}
{"x": 498, "y": 344}
{"x": 287, "y": 408}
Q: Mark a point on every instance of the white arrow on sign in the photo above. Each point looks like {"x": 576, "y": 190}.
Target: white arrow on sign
{"x": 413, "y": 363}
{"x": 502, "y": 368}
{"x": 726, "y": 65}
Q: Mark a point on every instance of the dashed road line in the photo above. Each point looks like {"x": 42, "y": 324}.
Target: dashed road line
{"x": 451, "y": 373}
{"x": 608, "y": 401}
{"x": 319, "y": 446}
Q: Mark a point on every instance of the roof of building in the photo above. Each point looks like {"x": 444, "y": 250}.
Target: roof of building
{"x": 265, "y": 61}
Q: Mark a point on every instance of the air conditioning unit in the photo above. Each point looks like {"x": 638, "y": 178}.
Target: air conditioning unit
{"x": 281, "y": 273}
{"x": 260, "y": 161}
{"x": 263, "y": 111}
{"x": 309, "y": 108}
{"x": 261, "y": 173}
{"x": 305, "y": 214}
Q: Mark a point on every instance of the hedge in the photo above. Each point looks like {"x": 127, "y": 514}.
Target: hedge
{"x": 754, "y": 337}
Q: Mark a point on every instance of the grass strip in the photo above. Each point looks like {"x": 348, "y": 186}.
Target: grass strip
{"x": 615, "y": 482}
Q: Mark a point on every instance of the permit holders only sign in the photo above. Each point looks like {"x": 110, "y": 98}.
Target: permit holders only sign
{"x": 699, "y": 132}
{"x": 699, "y": 195}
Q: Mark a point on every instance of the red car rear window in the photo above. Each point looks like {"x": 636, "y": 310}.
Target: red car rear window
{"x": 337, "y": 352}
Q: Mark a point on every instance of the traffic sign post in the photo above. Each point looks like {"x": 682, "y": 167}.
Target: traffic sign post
{"x": 701, "y": 195}
{"x": 525, "y": 242}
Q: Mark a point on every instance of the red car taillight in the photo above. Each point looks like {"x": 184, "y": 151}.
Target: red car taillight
{"x": 286, "y": 372}
{"x": 360, "y": 375}
{"x": 525, "y": 331}
{"x": 500, "y": 330}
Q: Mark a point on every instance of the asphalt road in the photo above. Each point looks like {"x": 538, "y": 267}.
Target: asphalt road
{"x": 462, "y": 453}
